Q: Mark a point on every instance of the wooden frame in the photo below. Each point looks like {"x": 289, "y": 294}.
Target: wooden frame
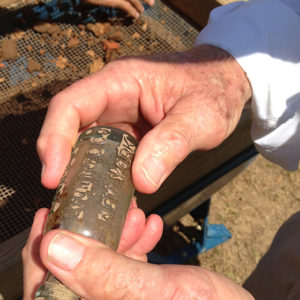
{"x": 198, "y": 10}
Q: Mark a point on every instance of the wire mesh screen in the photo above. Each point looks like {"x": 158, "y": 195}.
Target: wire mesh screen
{"x": 45, "y": 47}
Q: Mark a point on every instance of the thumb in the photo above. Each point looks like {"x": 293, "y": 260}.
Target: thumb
{"x": 190, "y": 125}
{"x": 93, "y": 270}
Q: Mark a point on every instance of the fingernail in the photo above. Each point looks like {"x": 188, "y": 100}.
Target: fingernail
{"x": 154, "y": 170}
{"x": 151, "y": 2}
{"x": 137, "y": 15}
{"x": 65, "y": 252}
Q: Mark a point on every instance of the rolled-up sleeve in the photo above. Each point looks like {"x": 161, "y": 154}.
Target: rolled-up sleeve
{"x": 264, "y": 37}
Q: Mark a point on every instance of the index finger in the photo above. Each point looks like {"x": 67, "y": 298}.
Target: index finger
{"x": 77, "y": 106}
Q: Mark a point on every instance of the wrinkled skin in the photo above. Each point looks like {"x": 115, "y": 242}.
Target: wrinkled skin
{"x": 139, "y": 237}
{"x": 133, "y": 7}
{"x": 174, "y": 104}
{"x": 101, "y": 273}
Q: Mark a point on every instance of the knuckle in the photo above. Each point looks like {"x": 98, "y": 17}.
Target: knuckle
{"x": 128, "y": 7}
{"x": 124, "y": 5}
{"x": 108, "y": 279}
{"x": 57, "y": 98}
{"x": 95, "y": 281}
{"x": 177, "y": 142}
{"x": 198, "y": 287}
{"x": 24, "y": 253}
{"x": 40, "y": 145}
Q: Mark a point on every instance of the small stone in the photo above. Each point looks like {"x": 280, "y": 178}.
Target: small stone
{"x": 53, "y": 28}
{"x": 73, "y": 43}
{"x": 96, "y": 66}
{"x": 61, "y": 62}
{"x": 144, "y": 27}
{"x": 45, "y": 35}
{"x": 57, "y": 36}
{"x": 49, "y": 28}
{"x": 33, "y": 65}
{"x": 9, "y": 49}
{"x": 90, "y": 43}
{"x": 97, "y": 28}
{"x": 116, "y": 36}
{"x": 18, "y": 34}
{"x": 68, "y": 33}
{"x": 111, "y": 55}
{"x": 34, "y": 84}
{"x": 90, "y": 53}
{"x": 107, "y": 27}
{"x": 110, "y": 45}
{"x": 129, "y": 44}
{"x": 136, "y": 35}
{"x": 54, "y": 43}
{"x": 29, "y": 48}
{"x": 41, "y": 27}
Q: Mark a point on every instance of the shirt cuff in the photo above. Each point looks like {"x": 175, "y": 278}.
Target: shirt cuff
{"x": 263, "y": 36}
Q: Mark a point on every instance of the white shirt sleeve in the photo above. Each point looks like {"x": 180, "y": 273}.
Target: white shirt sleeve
{"x": 264, "y": 37}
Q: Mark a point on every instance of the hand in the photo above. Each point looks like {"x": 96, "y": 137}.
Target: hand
{"x": 174, "y": 103}
{"x": 94, "y": 271}
{"x": 133, "y": 7}
{"x": 139, "y": 237}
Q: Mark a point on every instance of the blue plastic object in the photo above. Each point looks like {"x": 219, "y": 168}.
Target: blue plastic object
{"x": 211, "y": 236}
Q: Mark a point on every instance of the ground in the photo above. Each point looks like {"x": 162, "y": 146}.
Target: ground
{"x": 253, "y": 206}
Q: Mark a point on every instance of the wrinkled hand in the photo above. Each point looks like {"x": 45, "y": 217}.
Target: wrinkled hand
{"x": 133, "y": 7}
{"x": 94, "y": 271}
{"x": 139, "y": 237}
{"x": 174, "y": 103}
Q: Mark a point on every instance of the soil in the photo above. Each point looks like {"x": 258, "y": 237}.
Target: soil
{"x": 252, "y": 206}
{"x": 108, "y": 40}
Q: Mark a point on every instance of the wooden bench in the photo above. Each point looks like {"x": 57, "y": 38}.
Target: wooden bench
{"x": 198, "y": 10}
